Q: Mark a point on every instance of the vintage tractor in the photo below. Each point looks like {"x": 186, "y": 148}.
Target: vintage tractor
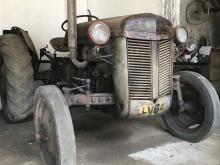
{"x": 121, "y": 65}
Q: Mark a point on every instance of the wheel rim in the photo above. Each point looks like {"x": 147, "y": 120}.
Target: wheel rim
{"x": 193, "y": 117}
{"x": 46, "y": 134}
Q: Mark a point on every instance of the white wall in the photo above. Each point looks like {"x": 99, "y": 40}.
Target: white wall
{"x": 171, "y": 10}
{"x": 111, "y": 8}
{"x": 42, "y": 18}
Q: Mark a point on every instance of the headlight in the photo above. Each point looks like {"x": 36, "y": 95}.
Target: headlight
{"x": 99, "y": 33}
{"x": 181, "y": 34}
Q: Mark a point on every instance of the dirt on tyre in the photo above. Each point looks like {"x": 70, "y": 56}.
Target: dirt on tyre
{"x": 200, "y": 118}
{"x": 54, "y": 128}
{"x": 17, "y": 82}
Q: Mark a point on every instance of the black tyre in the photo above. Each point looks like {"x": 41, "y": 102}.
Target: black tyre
{"x": 54, "y": 128}
{"x": 1, "y": 64}
{"x": 201, "y": 114}
{"x": 17, "y": 83}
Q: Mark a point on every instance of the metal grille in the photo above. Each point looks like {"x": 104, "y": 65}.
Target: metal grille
{"x": 139, "y": 63}
{"x": 165, "y": 68}
{"x": 140, "y": 69}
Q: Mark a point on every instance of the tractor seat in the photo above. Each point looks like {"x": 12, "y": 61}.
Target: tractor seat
{"x": 58, "y": 44}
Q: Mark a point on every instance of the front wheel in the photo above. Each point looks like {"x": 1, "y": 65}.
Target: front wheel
{"x": 200, "y": 116}
{"x": 54, "y": 128}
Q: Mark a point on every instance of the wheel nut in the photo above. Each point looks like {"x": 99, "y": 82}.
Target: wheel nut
{"x": 93, "y": 100}
{"x": 108, "y": 99}
{"x": 101, "y": 100}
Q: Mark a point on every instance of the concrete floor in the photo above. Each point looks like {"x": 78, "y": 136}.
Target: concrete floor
{"x": 102, "y": 140}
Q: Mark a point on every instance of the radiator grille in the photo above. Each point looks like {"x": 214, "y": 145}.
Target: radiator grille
{"x": 139, "y": 68}
{"x": 165, "y": 68}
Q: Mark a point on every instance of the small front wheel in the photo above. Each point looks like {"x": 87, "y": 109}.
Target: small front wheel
{"x": 200, "y": 116}
{"x": 54, "y": 128}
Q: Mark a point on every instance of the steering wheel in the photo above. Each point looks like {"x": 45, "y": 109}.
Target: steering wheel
{"x": 80, "y": 16}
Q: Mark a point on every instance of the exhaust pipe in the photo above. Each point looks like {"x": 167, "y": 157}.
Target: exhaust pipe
{"x": 72, "y": 34}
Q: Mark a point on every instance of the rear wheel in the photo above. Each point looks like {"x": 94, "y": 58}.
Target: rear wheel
{"x": 54, "y": 128}
{"x": 17, "y": 82}
{"x": 200, "y": 117}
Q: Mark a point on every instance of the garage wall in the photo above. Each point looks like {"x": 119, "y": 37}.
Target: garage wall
{"x": 42, "y": 18}
{"x": 209, "y": 29}
{"x": 111, "y": 8}
{"x": 171, "y": 10}
{"x": 196, "y": 31}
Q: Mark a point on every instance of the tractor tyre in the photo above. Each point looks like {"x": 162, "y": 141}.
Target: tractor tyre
{"x": 54, "y": 127}
{"x": 201, "y": 115}
{"x": 17, "y": 82}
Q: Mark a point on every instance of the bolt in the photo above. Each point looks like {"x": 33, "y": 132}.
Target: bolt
{"x": 93, "y": 100}
{"x": 108, "y": 99}
{"x": 101, "y": 100}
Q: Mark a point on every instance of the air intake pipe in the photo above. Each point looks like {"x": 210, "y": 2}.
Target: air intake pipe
{"x": 72, "y": 34}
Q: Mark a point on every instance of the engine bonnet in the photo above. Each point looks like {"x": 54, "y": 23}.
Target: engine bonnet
{"x": 141, "y": 26}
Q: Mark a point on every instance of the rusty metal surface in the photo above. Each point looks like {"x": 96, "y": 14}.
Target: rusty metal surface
{"x": 139, "y": 68}
{"x": 177, "y": 88}
{"x": 143, "y": 74}
{"x": 165, "y": 68}
{"x": 139, "y": 26}
{"x": 72, "y": 30}
{"x": 91, "y": 99}
{"x": 72, "y": 34}
{"x": 145, "y": 108}
{"x": 120, "y": 77}
{"x": 150, "y": 68}
{"x": 155, "y": 70}
{"x": 142, "y": 65}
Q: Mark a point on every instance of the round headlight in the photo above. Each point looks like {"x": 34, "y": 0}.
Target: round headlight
{"x": 181, "y": 34}
{"x": 99, "y": 33}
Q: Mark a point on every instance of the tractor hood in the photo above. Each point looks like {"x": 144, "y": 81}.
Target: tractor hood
{"x": 141, "y": 26}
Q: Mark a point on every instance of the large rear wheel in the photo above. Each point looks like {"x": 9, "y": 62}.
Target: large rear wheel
{"x": 54, "y": 128}
{"x": 17, "y": 82}
{"x": 201, "y": 113}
